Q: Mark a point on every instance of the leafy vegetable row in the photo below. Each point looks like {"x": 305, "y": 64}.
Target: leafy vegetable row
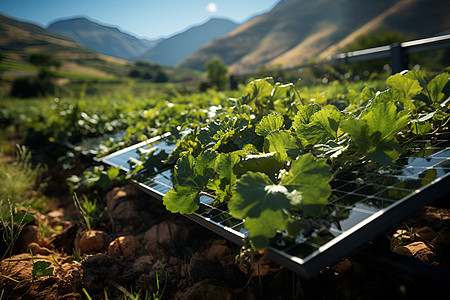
{"x": 270, "y": 155}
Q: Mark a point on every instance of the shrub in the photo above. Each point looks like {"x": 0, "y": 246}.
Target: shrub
{"x": 26, "y": 87}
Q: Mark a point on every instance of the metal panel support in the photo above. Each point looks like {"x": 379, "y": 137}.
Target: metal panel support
{"x": 399, "y": 60}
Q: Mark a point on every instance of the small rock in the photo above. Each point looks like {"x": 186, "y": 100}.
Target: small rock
{"x": 55, "y": 216}
{"x": 119, "y": 192}
{"x": 418, "y": 250}
{"x": 99, "y": 270}
{"x": 29, "y": 234}
{"x": 201, "y": 268}
{"x": 165, "y": 234}
{"x": 343, "y": 266}
{"x": 143, "y": 263}
{"x": 207, "y": 291}
{"x": 402, "y": 250}
{"x": 38, "y": 250}
{"x": 436, "y": 218}
{"x": 129, "y": 212}
{"x": 92, "y": 241}
{"x": 65, "y": 239}
{"x": 425, "y": 234}
{"x": 442, "y": 242}
{"x": 18, "y": 266}
{"x": 127, "y": 247}
{"x": 219, "y": 250}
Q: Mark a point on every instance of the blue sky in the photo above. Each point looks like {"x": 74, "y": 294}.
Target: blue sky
{"x": 143, "y": 18}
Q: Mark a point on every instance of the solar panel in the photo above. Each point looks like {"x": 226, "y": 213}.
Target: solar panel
{"x": 121, "y": 157}
{"x": 95, "y": 145}
{"x": 366, "y": 200}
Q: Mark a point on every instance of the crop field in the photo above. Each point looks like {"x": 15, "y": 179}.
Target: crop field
{"x": 267, "y": 152}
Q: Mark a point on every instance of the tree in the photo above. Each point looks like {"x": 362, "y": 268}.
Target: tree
{"x": 217, "y": 73}
{"x": 134, "y": 73}
{"x": 44, "y": 62}
{"x": 41, "y": 85}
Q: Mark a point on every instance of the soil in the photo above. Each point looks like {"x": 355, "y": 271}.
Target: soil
{"x": 140, "y": 247}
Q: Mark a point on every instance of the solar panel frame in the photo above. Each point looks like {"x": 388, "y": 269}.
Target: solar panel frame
{"x": 392, "y": 189}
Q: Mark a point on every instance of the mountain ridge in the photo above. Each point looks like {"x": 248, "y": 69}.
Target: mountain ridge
{"x": 104, "y": 39}
{"x": 295, "y": 31}
{"x": 19, "y": 39}
{"x": 188, "y": 41}
{"x": 168, "y": 51}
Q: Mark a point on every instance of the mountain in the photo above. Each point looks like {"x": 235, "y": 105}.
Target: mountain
{"x": 19, "y": 39}
{"x": 173, "y": 50}
{"x": 103, "y": 39}
{"x": 295, "y": 31}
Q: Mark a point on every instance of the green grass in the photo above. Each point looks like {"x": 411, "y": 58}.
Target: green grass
{"x": 84, "y": 77}
{"x": 7, "y": 66}
{"x": 21, "y": 183}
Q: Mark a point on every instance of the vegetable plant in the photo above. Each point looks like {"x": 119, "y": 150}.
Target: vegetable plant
{"x": 270, "y": 155}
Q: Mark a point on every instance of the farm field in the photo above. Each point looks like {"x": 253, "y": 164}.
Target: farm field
{"x": 268, "y": 151}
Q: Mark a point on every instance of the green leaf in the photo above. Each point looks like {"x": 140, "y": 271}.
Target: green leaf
{"x": 194, "y": 172}
{"x": 387, "y": 151}
{"x": 113, "y": 172}
{"x": 225, "y": 176}
{"x": 330, "y": 149}
{"x": 281, "y": 91}
{"x": 248, "y": 136}
{"x": 183, "y": 199}
{"x": 304, "y": 114}
{"x": 436, "y": 86}
{"x": 269, "y": 123}
{"x": 391, "y": 95}
{"x": 423, "y": 124}
{"x": 206, "y": 134}
{"x": 265, "y": 206}
{"x": 268, "y": 163}
{"x": 151, "y": 161}
{"x": 322, "y": 126}
{"x": 375, "y": 132}
{"x": 41, "y": 268}
{"x": 319, "y": 98}
{"x": 262, "y": 204}
{"x": 250, "y": 149}
{"x": 259, "y": 89}
{"x": 407, "y": 87}
{"x": 226, "y": 136}
{"x": 310, "y": 177}
{"x": 283, "y": 143}
{"x": 191, "y": 175}
{"x": 23, "y": 218}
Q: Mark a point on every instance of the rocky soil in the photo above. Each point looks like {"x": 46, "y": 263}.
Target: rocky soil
{"x": 140, "y": 247}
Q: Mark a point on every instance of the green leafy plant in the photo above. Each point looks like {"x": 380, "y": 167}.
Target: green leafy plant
{"x": 10, "y": 231}
{"x": 77, "y": 254}
{"x": 96, "y": 177}
{"x": 271, "y": 155}
{"x": 40, "y": 268}
{"x": 88, "y": 210}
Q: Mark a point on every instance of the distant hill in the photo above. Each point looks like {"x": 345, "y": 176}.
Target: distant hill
{"x": 297, "y": 30}
{"x": 103, "y": 39}
{"x": 18, "y": 39}
{"x": 173, "y": 50}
